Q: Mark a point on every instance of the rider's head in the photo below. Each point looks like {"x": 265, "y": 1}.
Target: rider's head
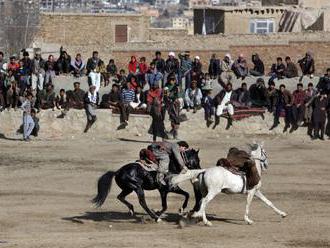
{"x": 183, "y": 144}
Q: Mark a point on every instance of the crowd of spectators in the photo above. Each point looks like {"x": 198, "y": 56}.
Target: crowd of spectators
{"x": 168, "y": 85}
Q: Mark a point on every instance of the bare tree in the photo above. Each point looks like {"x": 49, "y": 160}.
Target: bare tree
{"x": 19, "y": 24}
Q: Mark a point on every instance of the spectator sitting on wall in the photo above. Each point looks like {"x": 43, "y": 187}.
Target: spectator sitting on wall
{"x": 258, "y": 93}
{"x": 78, "y": 66}
{"x": 277, "y": 70}
{"x": 307, "y": 65}
{"x": 240, "y": 67}
{"x": 193, "y": 97}
{"x": 272, "y": 96}
{"x": 133, "y": 66}
{"x": 143, "y": 68}
{"x": 64, "y": 62}
{"x": 111, "y": 100}
{"x": 214, "y": 67}
{"x": 259, "y": 68}
{"x": 159, "y": 62}
{"x": 243, "y": 95}
{"x": 153, "y": 76}
{"x": 50, "y": 70}
{"x": 47, "y": 97}
{"x": 291, "y": 70}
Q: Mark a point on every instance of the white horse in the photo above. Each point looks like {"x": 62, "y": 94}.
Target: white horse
{"x": 218, "y": 179}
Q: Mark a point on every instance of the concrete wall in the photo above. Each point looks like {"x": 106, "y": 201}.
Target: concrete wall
{"x": 90, "y": 29}
{"x": 88, "y": 35}
{"x": 238, "y": 22}
{"x": 314, "y": 3}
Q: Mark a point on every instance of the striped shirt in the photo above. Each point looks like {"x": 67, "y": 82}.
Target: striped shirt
{"x": 127, "y": 95}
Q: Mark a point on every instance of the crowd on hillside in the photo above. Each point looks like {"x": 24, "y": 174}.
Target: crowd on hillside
{"x": 168, "y": 85}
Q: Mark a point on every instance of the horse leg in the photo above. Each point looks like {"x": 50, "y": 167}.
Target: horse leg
{"x": 121, "y": 197}
{"x": 179, "y": 191}
{"x": 140, "y": 193}
{"x": 202, "y": 212}
{"x": 205, "y": 201}
{"x": 248, "y": 203}
{"x": 198, "y": 196}
{"x": 163, "y": 196}
{"x": 269, "y": 203}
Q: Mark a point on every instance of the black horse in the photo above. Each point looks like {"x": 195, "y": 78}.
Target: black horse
{"x": 133, "y": 177}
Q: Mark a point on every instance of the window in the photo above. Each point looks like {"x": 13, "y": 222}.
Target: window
{"x": 262, "y": 26}
{"x": 121, "y": 33}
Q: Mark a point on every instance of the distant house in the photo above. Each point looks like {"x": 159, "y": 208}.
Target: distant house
{"x": 237, "y": 20}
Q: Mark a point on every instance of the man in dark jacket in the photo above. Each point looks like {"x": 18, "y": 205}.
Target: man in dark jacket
{"x": 291, "y": 70}
{"x": 243, "y": 95}
{"x": 277, "y": 70}
{"x": 258, "y": 93}
{"x": 159, "y": 62}
{"x": 307, "y": 65}
{"x": 320, "y": 105}
{"x": 284, "y": 103}
{"x": 214, "y": 67}
{"x": 324, "y": 83}
{"x": 259, "y": 68}
{"x": 298, "y": 107}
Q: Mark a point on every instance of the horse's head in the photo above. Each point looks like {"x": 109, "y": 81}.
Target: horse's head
{"x": 258, "y": 153}
{"x": 192, "y": 159}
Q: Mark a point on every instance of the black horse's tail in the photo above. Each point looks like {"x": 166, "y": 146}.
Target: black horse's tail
{"x": 103, "y": 188}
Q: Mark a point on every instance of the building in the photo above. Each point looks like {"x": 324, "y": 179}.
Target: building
{"x": 180, "y": 22}
{"x": 164, "y": 3}
{"x": 83, "y": 29}
{"x": 237, "y": 20}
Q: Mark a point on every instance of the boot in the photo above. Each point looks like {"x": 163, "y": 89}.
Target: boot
{"x": 88, "y": 125}
{"x": 229, "y": 122}
{"x": 286, "y": 128}
{"x": 161, "y": 179}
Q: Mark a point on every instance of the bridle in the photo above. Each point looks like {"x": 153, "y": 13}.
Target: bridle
{"x": 263, "y": 159}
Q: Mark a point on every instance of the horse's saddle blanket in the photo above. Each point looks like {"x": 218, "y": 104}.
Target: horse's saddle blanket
{"x": 148, "y": 167}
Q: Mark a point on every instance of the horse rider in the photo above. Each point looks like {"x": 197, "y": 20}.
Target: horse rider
{"x": 162, "y": 152}
{"x": 240, "y": 161}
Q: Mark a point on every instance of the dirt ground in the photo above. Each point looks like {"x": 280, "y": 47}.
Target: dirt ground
{"x": 46, "y": 187}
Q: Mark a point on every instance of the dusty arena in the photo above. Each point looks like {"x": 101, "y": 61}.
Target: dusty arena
{"x": 47, "y": 185}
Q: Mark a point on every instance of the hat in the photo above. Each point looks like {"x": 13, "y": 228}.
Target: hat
{"x": 228, "y": 55}
{"x": 197, "y": 57}
{"x": 171, "y": 54}
{"x": 13, "y": 56}
{"x": 26, "y": 54}
{"x": 207, "y": 87}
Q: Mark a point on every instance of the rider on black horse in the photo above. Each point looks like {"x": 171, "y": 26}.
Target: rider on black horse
{"x": 160, "y": 153}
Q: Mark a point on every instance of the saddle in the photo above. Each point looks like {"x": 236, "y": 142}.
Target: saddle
{"x": 248, "y": 170}
{"x": 146, "y": 166}
{"x": 225, "y": 163}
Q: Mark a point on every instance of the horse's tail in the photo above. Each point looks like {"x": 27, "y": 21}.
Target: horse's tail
{"x": 103, "y": 188}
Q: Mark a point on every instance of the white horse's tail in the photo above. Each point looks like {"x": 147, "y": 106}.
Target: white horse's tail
{"x": 179, "y": 178}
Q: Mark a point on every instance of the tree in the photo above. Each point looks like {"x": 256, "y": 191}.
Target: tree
{"x": 19, "y": 24}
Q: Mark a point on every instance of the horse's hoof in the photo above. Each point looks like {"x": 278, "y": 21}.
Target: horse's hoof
{"x": 248, "y": 221}
{"x": 181, "y": 211}
{"x": 131, "y": 213}
{"x": 283, "y": 215}
{"x": 208, "y": 223}
{"x": 159, "y": 220}
{"x": 196, "y": 215}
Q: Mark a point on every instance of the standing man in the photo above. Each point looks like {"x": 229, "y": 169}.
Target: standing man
{"x": 93, "y": 70}
{"x": 298, "y": 107}
{"x": 38, "y": 72}
{"x": 91, "y": 100}
{"x": 28, "y": 123}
